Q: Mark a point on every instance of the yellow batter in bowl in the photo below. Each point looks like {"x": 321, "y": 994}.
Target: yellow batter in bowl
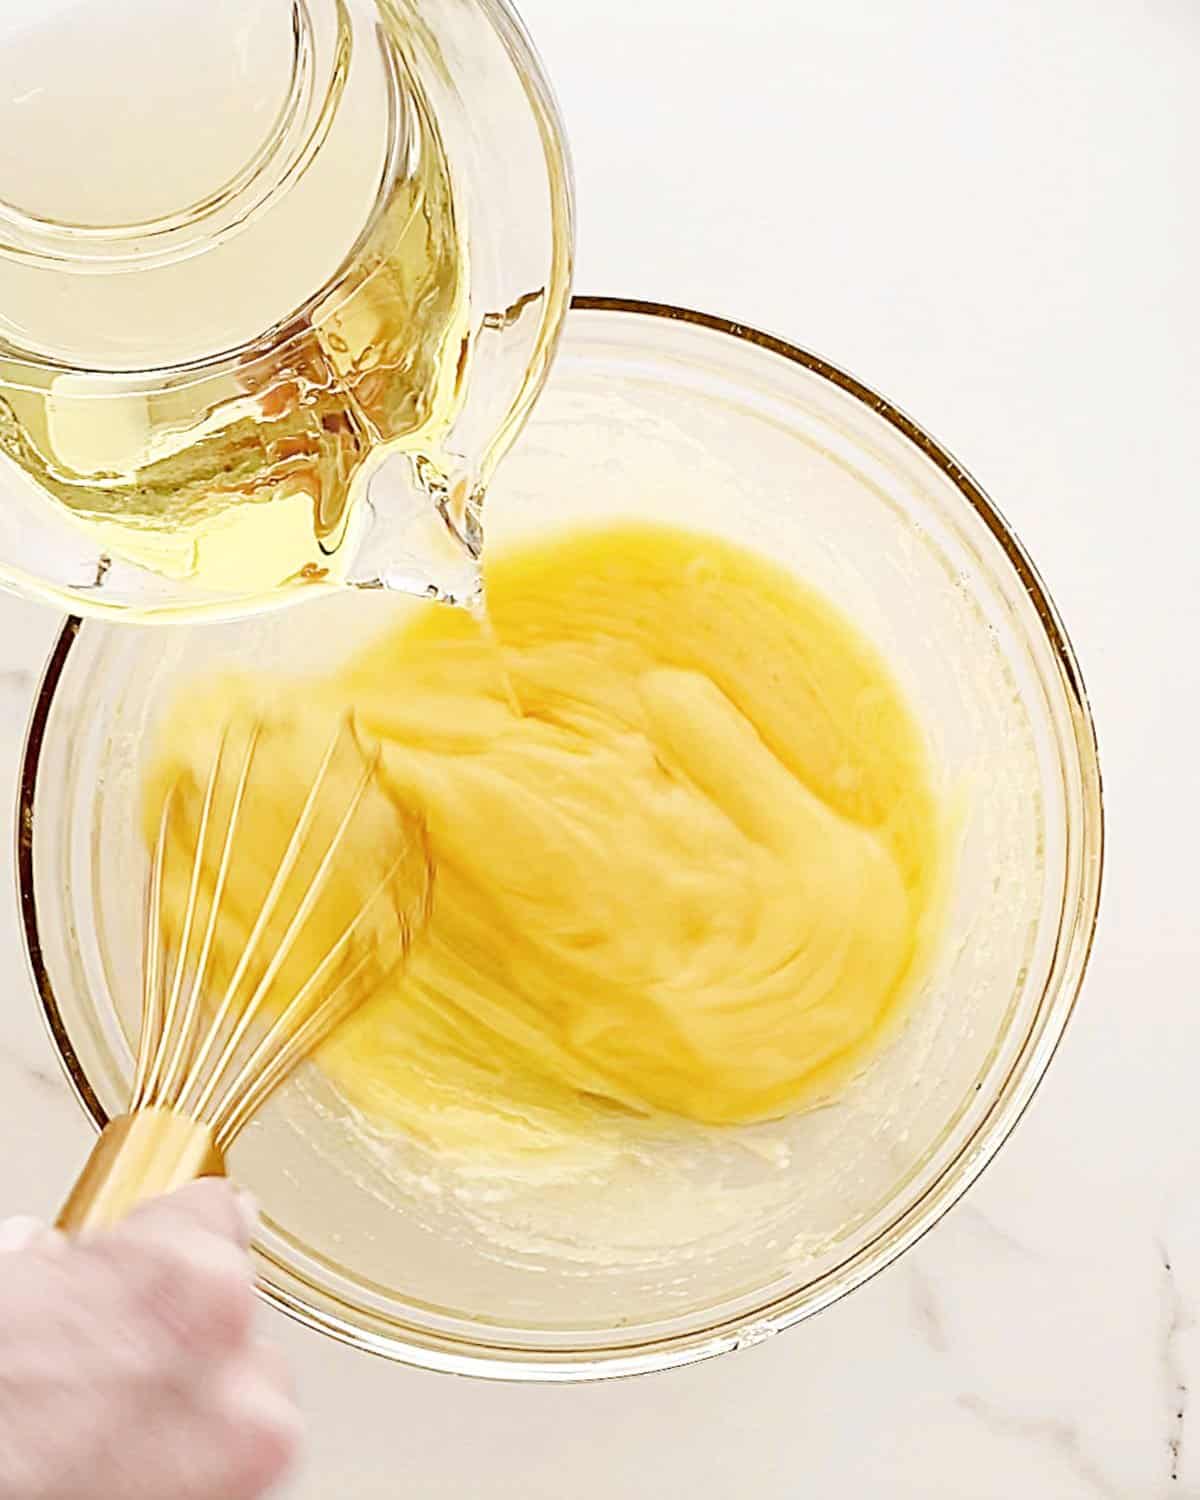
{"x": 686, "y": 843}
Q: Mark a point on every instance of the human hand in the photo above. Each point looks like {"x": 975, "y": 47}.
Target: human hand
{"x": 129, "y": 1369}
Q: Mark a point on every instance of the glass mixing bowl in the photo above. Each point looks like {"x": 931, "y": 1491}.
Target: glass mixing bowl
{"x": 709, "y": 1240}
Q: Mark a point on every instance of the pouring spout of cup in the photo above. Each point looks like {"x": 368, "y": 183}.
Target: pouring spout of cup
{"x": 416, "y": 529}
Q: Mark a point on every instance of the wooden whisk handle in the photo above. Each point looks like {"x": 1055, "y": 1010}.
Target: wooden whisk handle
{"x": 138, "y": 1156}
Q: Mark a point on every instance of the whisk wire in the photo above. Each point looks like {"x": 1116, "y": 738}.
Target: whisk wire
{"x": 176, "y": 990}
{"x": 295, "y": 926}
{"x": 266, "y": 911}
{"x": 152, "y": 995}
{"x": 249, "y": 1091}
{"x": 186, "y": 1109}
{"x": 269, "y": 1063}
{"x": 184, "y": 1050}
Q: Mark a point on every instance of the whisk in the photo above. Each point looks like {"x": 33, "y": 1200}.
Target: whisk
{"x": 240, "y": 986}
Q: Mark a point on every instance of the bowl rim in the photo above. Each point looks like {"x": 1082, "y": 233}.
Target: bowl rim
{"x": 496, "y": 1360}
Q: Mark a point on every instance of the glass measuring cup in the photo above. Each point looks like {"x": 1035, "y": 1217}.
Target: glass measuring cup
{"x": 279, "y": 282}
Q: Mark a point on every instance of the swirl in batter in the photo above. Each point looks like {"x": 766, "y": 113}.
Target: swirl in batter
{"x": 685, "y": 838}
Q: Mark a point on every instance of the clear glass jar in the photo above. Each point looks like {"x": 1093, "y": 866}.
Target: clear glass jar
{"x": 694, "y": 1249}
{"x": 279, "y": 282}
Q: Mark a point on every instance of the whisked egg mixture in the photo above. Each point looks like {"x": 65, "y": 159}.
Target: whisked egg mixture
{"x": 686, "y": 842}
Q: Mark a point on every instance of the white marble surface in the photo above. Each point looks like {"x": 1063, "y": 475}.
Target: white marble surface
{"x": 990, "y": 212}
